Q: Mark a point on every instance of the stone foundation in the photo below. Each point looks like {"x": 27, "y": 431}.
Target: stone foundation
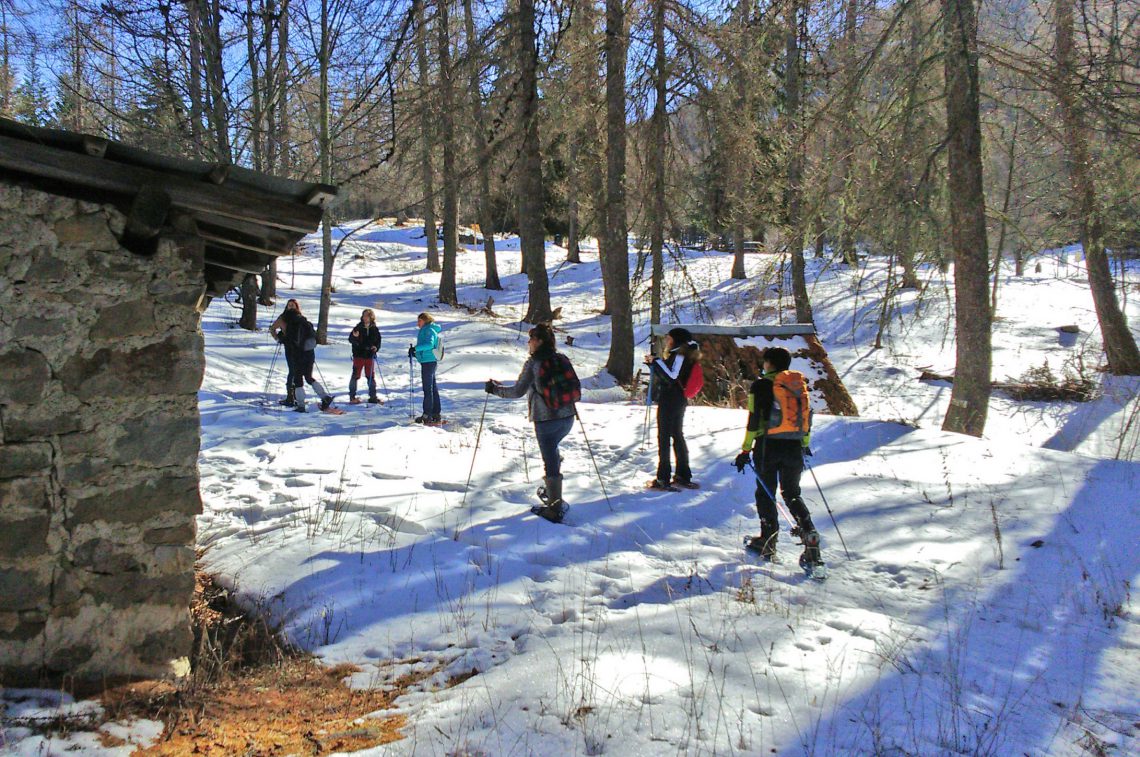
{"x": 101, "y": 358}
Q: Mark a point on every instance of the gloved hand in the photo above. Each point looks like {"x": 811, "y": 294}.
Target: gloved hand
{"x": 807, "y": 451}
{"x": 279, "y": 337}
{"x": 742, "y": 460}
{"x": 411, "y": 351}
{"x": 489, "y": 387}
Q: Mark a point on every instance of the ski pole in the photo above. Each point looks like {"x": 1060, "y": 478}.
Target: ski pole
{"x": 833, "y": 521}
{"x": 272, "y": 366}
{"x": 411, "y": 382}
{"x": 383, "y": 383}
{"x": 648, "y": 405}
{"x": 478, "y": 434}
{"x": 592, "y": 459}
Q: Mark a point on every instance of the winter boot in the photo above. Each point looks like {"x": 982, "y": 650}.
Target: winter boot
{"x": 765, "y": 544}
{"x": 373, "y": 399}
{"x": 551, "y": 490}
{"x": 553, "y": 508}
{"x": 811, "y": 555}
{"x": 326, "y": 401}
{"x": 290, "y": 398}
{"x": 352, "y": 400}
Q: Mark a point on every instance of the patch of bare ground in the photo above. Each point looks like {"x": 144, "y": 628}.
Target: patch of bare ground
{"x": 249, "y": 692}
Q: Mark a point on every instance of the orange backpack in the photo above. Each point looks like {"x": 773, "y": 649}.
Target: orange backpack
{"x": 791, "y": 407}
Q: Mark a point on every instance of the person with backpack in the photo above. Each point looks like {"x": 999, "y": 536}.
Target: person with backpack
{"x": 277, "y": 329}
{"x": 677, "y": 378}
{"x": 552, "y": 388}
{"x": 296, "y": 333}
{"x": 365, "y": 340}
{"x": 778, "y": 433}
{"x": 428, "y": 350}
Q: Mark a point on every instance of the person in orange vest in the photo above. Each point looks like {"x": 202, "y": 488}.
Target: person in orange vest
{"x": 778, "y": 433}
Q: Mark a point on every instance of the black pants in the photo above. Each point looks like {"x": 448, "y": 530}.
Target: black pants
{"x": 780, "y": 462}
{"x": 671, "y": 433}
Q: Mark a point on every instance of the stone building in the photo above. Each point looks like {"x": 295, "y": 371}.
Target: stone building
{"x": 108, "y": 256}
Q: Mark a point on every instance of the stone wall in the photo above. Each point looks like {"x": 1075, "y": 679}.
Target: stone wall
{"x": 101, "y": 358}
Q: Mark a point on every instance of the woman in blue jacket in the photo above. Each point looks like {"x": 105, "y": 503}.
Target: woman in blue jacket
{"x": 428, "y": 350}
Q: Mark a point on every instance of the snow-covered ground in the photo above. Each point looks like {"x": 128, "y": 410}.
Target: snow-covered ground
{"x": 984, "y": 606}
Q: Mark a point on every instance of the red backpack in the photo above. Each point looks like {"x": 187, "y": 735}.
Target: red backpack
{"x": 695, "y": 382}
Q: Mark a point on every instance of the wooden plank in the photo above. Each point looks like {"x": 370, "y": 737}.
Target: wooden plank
{"x": 233, "y": 243}
{"x": 784, "y": 329}
{"x": 231, "y": 261}
{"x": 108, "y": 176}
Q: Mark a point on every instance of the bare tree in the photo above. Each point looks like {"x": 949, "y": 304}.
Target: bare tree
{"x": 426, "y": 131}
{"x": 793, "y": 93}
{"x": 450, "y": 177}
{"x": 970, "y": 397}
{"x": 620, "y": 361}
{"x": 1119, "y": 344}
{"x": 480, "y": 128}
{"x": 531, "y": 231}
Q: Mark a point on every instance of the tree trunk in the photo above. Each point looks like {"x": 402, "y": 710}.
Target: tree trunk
{"x": 256, "y": 117}
{"x": 284, "y": 159}
{"x": 479, "y": 128}
{"x": 795, "y": 165}
{"x": 248, "y": 320}
{"x": 573, "y": 253}
{"x": 657, "y": 162}
{"x": 1004, "y": 213}
{"x": 970, "y": 397}
{"x": 620, "y": 361}
{"x": 430, "y": 235}
{"x": 216, "y": 82}
{"x": 447, "y": 293}
{"x": 194, "y": 20}
{"x": 531, "y": 231}
{"x": 325, "y": 146}
{"x": 1119, "y": 344}
{"x": 738, "y": 249}
{"x": 845, "y": 140}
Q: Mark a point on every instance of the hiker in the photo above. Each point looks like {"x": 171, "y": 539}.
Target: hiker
{"x": 365, "y": 340}
{"x": 671, "y": 381}
{"x": 552, "y": 388}
{"x": 779, "y": 416}
{"x": 297, "y": 334}
{"x": 277, "y": 330}
{"x": 428, "y": 350}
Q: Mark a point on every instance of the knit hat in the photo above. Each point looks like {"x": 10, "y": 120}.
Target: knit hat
{"x": 680, "y": 336}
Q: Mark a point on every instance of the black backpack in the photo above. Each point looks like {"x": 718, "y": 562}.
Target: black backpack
{"x": 558, "y": 384}
{"x": 306, "y": 335}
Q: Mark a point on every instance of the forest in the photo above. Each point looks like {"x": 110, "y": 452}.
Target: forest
{"x": 933, "y": 134}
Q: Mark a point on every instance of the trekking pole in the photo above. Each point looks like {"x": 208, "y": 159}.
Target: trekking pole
{"x": 383, "y": 383}
{"x": 648, "y": 405}
{"x": 478, "y": 433}
{"x": 833, "y": 521}
{"x": 272, "y": 366}
{"x": 779, "y": 505}
{"x": 592, "y": 459}
{"x": 411, "y": 381}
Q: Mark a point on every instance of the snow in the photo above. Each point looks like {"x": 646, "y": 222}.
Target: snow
{"x": 985, "y": 606}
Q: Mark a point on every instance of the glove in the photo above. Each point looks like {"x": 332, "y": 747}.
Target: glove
{"x": 411, "y": 351}
{"x": 742, "y": 460}
{"x": 279, "y": 337}
{"x": 807, "y": 451}
{"x": 489, "y": 387}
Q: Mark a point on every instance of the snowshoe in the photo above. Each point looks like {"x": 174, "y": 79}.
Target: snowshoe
{"x": 332, "y": 410}
{"x": 658, "y": 485}
{"x": 765, "y": 547}
{"x": 354, "y": 400}
{"x": 553, "y": 512}
{"x": 374, "y": 400}
{"x": 685, "y": 484}
{"x": 811, "y": 560}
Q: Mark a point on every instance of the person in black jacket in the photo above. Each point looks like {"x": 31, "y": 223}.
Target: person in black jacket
{"x": 777, "y": 452}
{"x": 365, "y": 341}
{"x": 298, "y": 336}
{"x": 277, "y": 329}
{"x": 669, "y": 376}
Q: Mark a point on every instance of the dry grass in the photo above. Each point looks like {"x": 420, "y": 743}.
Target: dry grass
{"x": 252, "y": 693}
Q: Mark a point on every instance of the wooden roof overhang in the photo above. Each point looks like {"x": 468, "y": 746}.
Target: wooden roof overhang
{"x": 245, "y": 218}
